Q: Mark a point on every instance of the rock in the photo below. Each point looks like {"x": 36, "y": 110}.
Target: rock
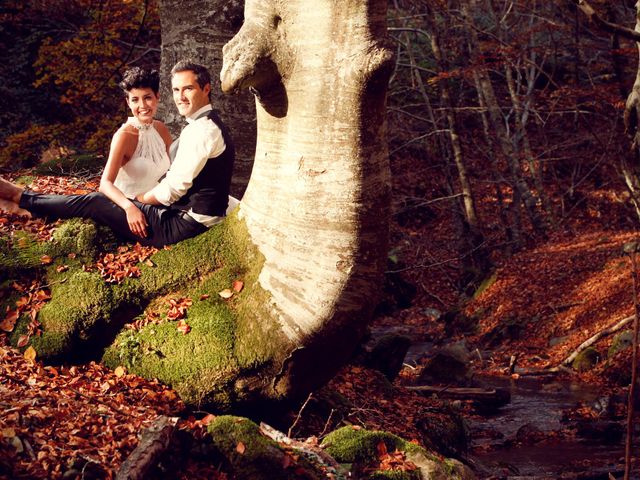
{"x": 586, "y": 360}
{"x": 553, "y": 341}
{"x": 621, "y": 341}
{"x": 601, "y": 430}
{"x": 445, "y": 432}
{"x": 434, "y": 313}
{"x": 242, "y": 448}
{"x": 509, "y": 329}
{"x": 529, "y": 434}
{"x": 362, "y": 448}
{"x": 458, "y": 322}
{"x": 449, "y": 365}
{"x": 388, "y": 354}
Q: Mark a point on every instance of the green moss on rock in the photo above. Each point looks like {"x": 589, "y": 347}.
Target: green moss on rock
{"x": 360, "y": 447}
{"x": 349, "y": 444}
{"x": 251, "y": 455}
{"x": 21, "y": 252}
{"x": 75, "y": 236}
{"x": 586, "y": 359}
{"x": 227, "y": 337}
{"x": 621, "y": 341}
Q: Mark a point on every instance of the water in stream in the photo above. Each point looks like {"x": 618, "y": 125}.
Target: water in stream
{"x": 540, "y": 404}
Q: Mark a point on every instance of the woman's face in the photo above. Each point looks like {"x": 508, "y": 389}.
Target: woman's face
{"x": 143, "y": 103}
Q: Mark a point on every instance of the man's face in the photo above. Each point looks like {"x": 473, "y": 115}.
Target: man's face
{"x": 187, "y": 94}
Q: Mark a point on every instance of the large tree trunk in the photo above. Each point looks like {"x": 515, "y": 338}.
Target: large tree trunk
{"x": 198, "y": 29}
{"x": 317, "y": 205}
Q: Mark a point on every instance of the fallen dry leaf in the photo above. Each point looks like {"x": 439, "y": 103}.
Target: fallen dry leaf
{"x": 120, "y": 371}
{"x": 238, "y": 285}
{"x": 46, "y": 259}
{"x": 240, "y": 448}
{"x": 9, "y": 321}
{"x": 226, "y": 293}
{"x": 30, "y": 354}
{"x": 183, "y": 327}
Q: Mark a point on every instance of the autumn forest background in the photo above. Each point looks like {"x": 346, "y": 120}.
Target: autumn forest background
{"x": 514, "y": 165}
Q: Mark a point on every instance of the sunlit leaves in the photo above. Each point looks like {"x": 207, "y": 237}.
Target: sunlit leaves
{"x": 116, "y": 267}
{"x": 74, "y": 412}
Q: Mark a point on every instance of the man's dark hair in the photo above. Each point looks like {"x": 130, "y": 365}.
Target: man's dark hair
{"x": 202, "y": 74}
{"x": 137, "y": 77}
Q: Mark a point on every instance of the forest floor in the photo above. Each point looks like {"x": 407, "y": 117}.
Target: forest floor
{"x": 555, "y": 294}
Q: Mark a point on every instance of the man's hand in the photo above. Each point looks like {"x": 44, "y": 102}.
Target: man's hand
{"x": 137, "y": 221}
{"x": 147, "y": 198}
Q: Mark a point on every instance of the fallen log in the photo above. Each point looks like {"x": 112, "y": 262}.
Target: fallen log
{"x": 489, "y": 397}
{"x": 154, "y": 444}
{"x": 591, "y": 340}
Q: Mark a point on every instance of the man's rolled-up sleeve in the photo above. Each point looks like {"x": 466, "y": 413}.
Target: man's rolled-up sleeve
{"x": 199, "y": 141}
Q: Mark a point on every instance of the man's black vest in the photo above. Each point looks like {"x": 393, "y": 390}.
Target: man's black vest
{"x": 209, "y": 194}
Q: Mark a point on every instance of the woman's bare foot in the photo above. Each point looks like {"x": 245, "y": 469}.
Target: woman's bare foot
{"x": 9, "y": 191}
{"x": 12, "y": 207}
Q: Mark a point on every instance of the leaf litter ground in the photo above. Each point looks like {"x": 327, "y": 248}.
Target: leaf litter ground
{"x": 565, "y": 289}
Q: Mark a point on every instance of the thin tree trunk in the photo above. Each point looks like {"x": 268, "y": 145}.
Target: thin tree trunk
{"x": 458, "y": 156}
{"x": 528, "y": 199}
{"x": 512, "y": 229}
{"x": 523, "y": 136}
{"x": 631, "y": 166}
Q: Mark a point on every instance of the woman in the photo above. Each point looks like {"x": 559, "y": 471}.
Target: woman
{"x": 138, "y": 156}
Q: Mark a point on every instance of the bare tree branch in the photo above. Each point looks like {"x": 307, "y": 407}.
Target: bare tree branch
{"x": 597, "y": 20}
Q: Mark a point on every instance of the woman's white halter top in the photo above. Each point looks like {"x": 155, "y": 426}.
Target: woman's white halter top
{"x": 148, "y": 163}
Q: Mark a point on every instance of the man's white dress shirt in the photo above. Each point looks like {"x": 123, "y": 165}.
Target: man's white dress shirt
{"x": 199, "y": 141}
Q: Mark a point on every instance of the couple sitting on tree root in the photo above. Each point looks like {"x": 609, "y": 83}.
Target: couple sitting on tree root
{"x": 153, "y": 191}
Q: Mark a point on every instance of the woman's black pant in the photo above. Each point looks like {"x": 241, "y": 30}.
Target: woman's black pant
{"x": 166, "y": 225}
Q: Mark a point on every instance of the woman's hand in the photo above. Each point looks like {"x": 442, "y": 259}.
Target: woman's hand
{"x": 136, "y": 220}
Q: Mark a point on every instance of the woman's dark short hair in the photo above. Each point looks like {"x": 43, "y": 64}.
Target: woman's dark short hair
{"x": 137, "y": 77}
{"x": 202, "y": 74}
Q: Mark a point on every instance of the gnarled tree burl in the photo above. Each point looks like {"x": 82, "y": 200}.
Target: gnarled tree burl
{"x": 317, "y": 203}
{"x": 309, "y": 239}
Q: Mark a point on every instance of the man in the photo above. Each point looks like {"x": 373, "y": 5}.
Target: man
{"x": 192, "y": 196}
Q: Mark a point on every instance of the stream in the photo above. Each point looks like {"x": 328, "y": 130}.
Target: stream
{"x": 540, "y": 404}
{"x": 537, "y": 407}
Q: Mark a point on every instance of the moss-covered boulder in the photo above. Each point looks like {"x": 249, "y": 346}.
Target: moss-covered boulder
{"x": 247, "y": 453}
{"x": 586, "y": 360}
{"x": 233, "y": 344}
{"x": 621, "y": 341}
{"x": 363, "y": 448}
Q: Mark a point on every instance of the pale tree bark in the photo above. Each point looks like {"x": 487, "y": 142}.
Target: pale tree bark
{"x": 317, "y": 206}
{"x": 198, "y": 29}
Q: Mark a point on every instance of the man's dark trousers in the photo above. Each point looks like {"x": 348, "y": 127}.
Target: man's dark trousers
{"x": 166, "y": 225}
